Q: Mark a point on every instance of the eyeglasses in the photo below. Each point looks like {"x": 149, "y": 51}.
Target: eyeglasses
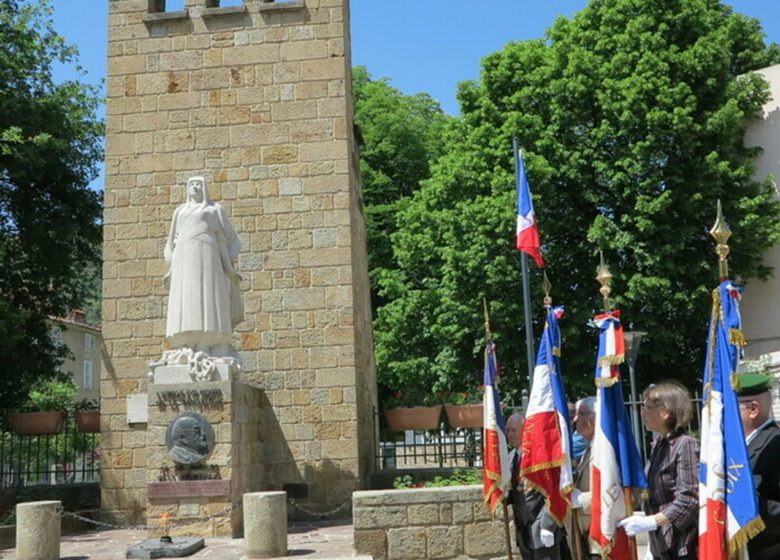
{"x": 748, "y": 402}
{"x": 650, "y": 406}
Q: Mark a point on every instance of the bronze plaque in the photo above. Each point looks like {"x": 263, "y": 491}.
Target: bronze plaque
{"x": 189, "y": 438}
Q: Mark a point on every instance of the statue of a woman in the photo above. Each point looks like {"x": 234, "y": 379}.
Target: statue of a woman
{"x": 204, "y": 303}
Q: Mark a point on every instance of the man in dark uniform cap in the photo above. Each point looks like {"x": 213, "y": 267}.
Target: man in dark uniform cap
{"x": 762, "y": 436}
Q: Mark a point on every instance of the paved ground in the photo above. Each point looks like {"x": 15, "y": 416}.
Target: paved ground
{"x": 305, "y": 540}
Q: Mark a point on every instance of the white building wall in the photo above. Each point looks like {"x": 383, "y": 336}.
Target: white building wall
{"x": 761, "y": 303}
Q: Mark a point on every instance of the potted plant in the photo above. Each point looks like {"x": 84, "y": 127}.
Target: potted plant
{"x": 44, "y": 410}
{"x": 87, "y": 415}
{"x": 464, "y": 409}
{"x": 412, "y": 410}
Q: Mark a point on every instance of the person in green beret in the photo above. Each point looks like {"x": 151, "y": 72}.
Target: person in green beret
{"x": 762, "y": 436}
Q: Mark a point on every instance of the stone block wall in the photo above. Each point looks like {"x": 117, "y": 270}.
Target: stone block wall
{"x": 427, "y": 523}
{"x": 258, "y": 100}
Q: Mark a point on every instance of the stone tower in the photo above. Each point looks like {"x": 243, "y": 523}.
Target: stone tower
{"x": 256, "y": 98}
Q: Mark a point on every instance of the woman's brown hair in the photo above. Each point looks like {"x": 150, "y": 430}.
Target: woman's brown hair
{"x": 676, "y": 401}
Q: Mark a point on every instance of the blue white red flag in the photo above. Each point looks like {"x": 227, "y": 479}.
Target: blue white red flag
{"x": 615, "y": 457}
{"x": 527, "y": 232}
{"x": 546, "y": 442}
{"x": 497, "y": 470}
{"x": 728, "y": 510}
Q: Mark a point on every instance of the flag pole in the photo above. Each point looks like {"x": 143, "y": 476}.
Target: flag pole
{"x": 576, "y": 537}
{"x": 506, "y": 531}
{"x": 529, "y": 337}
{"x": 575, "y": 522}
{"x": 506, "y": 509}
{"x": 605, "y": 279}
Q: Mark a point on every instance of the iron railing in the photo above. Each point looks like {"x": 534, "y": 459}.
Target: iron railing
{"x": 69, "y": 457}
{"x": 423, "y": 449}
{"x": 462, "y": 447}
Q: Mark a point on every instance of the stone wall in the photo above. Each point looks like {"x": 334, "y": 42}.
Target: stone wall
{"x": 257, "y": 99}
{"x": 427, "y": 523}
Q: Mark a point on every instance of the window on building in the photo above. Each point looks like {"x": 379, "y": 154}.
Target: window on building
{"x": 87, "y": 384}
{"x": 157, "y": 6}
{"x": 223, "y": 3}
{"x": 89, "y": 342}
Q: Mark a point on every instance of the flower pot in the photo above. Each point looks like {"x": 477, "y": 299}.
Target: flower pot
{"x": 414, "y": 418}
{"x": 88, "y": 420}
{"x": 464, "y": 415}
{"x": 37, "y": 423}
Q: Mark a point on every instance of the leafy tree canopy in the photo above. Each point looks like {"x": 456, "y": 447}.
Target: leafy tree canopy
{"x": 49, "y": 229}
{"x": 632, "y": 117}
{"x": 400, "y": 135}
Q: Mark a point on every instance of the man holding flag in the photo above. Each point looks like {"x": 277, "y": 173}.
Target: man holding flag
{"x": 762, "y": 436}
{"x": 545, "y": 458}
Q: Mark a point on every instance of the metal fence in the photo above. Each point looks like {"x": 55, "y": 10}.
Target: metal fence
{"x": 421, "y": 449}
{"x": 70, "y": 457}
{"x": 448, "y": 447}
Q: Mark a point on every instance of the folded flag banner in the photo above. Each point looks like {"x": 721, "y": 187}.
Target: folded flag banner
{"x": 527, "y": 232}
{"x": 728, "y": 510}
{"x": 615, "y": 457}
{"x": 546, "y": 442}
{"x": 497, "y": 471}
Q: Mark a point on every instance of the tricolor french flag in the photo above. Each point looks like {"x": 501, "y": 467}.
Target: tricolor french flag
{"x": 497, "y": 471}
{"x": 527, "y": 232}
{"x": 728, "y": 510}
{"x": 614, "y": 457}
{"x": 546, "y": 442}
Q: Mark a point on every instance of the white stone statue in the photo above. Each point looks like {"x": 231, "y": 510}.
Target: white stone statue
{"x": 204, "y": 303}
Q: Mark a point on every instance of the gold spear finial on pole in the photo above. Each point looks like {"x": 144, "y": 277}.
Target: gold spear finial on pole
{"x": 605, "y": 279}
{"x": 546, "y": 286}
{"x": 721, "y": 232}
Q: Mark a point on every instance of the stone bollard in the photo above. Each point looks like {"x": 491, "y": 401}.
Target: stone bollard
{"x": 38, "y": 530}
{"x": 265, "y": 524}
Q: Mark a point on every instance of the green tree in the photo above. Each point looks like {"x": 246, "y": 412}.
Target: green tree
{"x": 399, "y": 136}
{"x": 49, "y": 218}
{"x": 632, "y": 117}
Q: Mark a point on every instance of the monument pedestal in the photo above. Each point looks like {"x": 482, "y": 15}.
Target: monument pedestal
{"x": 203, "y": 498}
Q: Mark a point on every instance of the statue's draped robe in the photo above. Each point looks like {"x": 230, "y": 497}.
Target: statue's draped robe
{"x": 204, "y": 303}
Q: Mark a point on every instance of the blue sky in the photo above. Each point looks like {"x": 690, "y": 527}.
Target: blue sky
{"x": 425, "y": 46}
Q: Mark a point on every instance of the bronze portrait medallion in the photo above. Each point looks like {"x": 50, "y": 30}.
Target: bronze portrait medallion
{"x": 189, "y": 438}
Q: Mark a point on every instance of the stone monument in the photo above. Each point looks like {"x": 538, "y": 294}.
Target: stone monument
{"x": 210, "y": 454}
{"x": 256, "y": 100}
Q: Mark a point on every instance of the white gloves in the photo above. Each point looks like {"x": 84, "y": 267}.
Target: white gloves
{"x": 580, "y": 500}
{"x": 638, "y": 524}
{"x": 547, "y": 538}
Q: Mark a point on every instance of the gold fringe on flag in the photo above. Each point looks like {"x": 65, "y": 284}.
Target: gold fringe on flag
{"x": 711, "y": 345}
{"x": 737, "y": 338}
{"x": 566, "y": 490}
{"x": 740, "y": 539}
{"x": 606, "y": 381}
{"x": 495, "y": 486}
{"x": 613, "y": 360}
